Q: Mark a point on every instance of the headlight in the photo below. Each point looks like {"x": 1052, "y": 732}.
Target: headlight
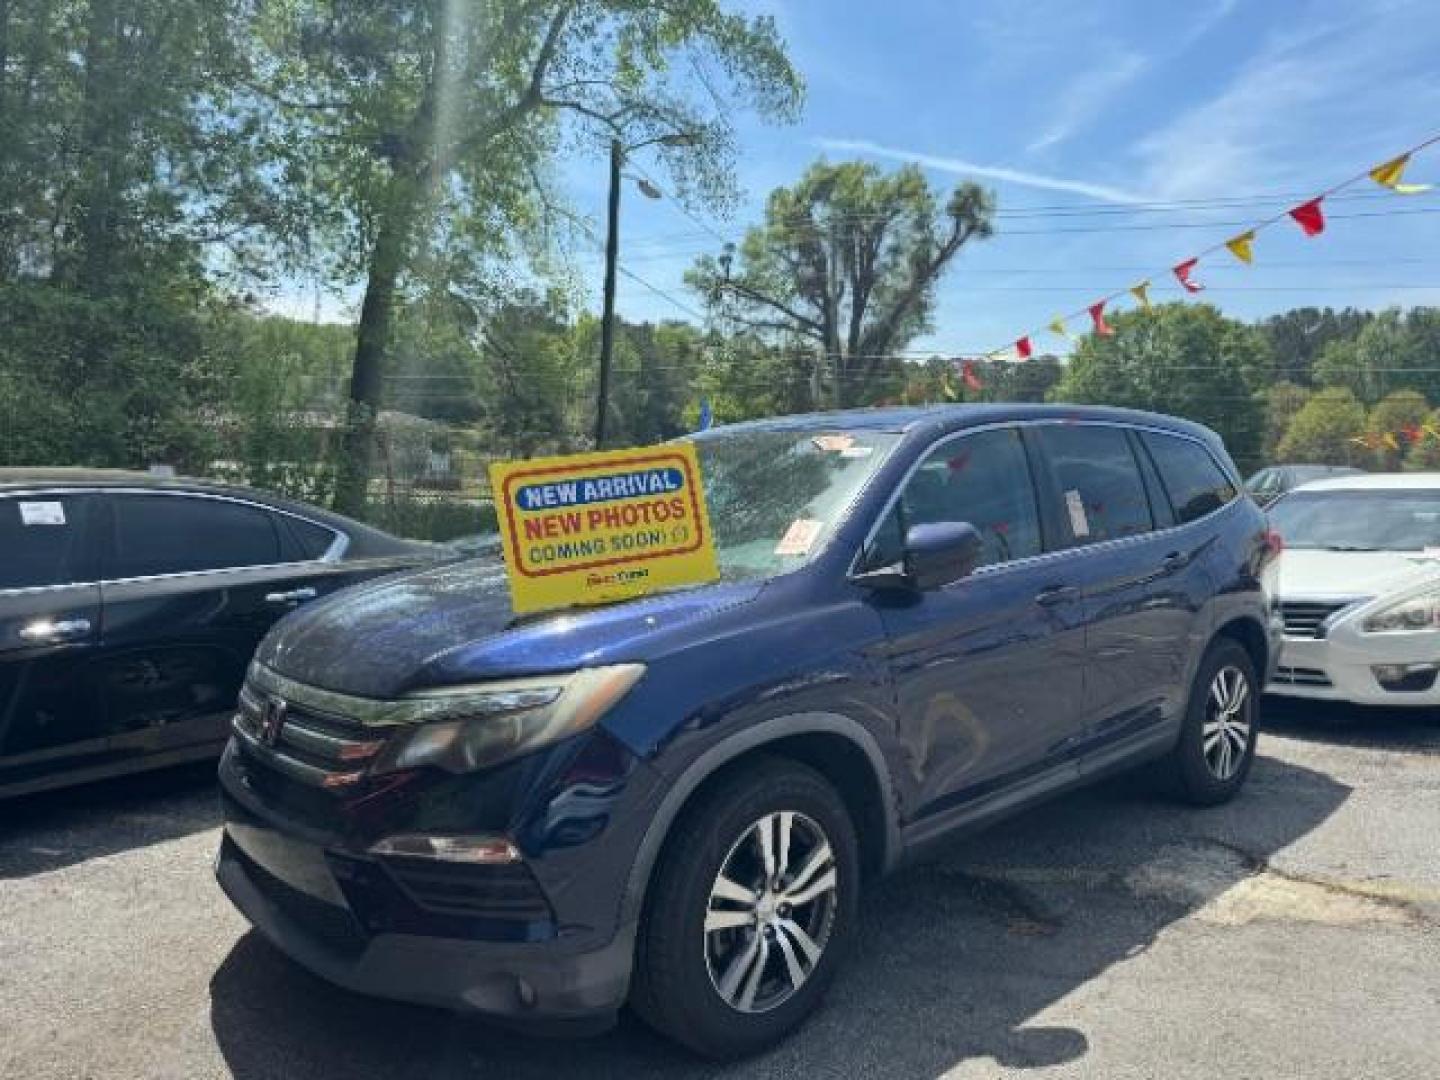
{"x": 464, "y": 728}
{"x": 1417, "y": 613}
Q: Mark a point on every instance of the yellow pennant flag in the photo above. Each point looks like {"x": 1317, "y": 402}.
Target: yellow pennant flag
{"x": 1141, "y": 293}
{"x": 1430, "y": 429}
{"x": 1240, "y": 246}
{"x": 1389, "y": 174}
{"x": 1389, "y": 440}
{"x": 1057, "y": 326}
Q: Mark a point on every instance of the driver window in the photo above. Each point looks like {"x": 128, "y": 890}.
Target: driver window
{"x": 983, "y": 479}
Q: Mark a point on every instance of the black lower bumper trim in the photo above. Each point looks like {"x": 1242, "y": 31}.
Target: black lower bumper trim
{"x": 541, "y": 983}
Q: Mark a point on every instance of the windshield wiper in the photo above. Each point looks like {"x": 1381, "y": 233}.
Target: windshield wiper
{"x": 1347, "y": 547}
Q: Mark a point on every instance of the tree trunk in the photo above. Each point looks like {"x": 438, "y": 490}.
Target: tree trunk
{"x": 372, "y": 337}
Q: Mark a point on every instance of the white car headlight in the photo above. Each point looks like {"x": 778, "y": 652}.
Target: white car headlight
{"x": 464, "y": 728}
{"x": 1416, "y": 613}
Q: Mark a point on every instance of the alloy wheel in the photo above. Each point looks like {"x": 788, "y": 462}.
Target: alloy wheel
{"x": 1227, "y": 727}
{"x": 770, "y": 912}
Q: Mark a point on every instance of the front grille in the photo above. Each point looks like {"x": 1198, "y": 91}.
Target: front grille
{"x": 319, "y": 748}
{"x": 492, "y": 892}
{"x": 1305, "y": 618}
{"x": 334, "y": 927}
{"x": 1301, "y": 676}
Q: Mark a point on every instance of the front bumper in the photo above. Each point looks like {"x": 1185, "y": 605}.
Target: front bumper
{"x": 536, "y": 983}
{"x": 1341, "y": 667}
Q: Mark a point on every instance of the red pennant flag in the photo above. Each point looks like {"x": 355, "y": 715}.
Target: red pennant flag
{"x": 1310, "y": 217}
{"x": 1022, "y": 348}
{"x": 972, "y": 380}
{"x": 1097, "y": 315}
{"x": 1413, "y": 433}
{"x": 1183, "y": 272}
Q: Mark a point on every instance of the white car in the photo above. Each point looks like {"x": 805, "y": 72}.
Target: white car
{"x": 1359, "y": 589}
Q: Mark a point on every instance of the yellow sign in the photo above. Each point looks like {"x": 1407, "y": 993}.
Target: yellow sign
{"x": 605, "y": 526}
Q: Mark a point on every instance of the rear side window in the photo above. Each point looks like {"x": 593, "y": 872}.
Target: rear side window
{"x": 1196, "y": 484}
{"x": 1098, "y": 480}
{"x": 313, "y": 540}
{"x": 176, "y": 534}
{"x": 983, "y": 479}
{"x": 45, "y": 540}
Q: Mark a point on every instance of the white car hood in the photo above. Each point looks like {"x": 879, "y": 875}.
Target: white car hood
{"x": 1342, "y": 575}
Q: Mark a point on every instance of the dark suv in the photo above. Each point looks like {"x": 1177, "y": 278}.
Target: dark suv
{"x": 926, "y": 619}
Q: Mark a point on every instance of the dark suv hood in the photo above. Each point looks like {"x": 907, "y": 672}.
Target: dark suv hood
{"x": 453, "y": 624}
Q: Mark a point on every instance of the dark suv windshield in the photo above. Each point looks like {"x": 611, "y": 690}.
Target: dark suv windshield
{"x": 775, "y": 497}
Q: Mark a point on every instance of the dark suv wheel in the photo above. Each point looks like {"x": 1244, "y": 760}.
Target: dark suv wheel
{"x": 1216, "y": 748}
{"x": 750, "y": 911}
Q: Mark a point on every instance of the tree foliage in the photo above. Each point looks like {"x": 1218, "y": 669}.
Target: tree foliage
{"x": 1297, "y": 338}
{"x": 1325, "y": 430}
{"x": 1177, "y": 358}
{"x": 847, "y": 261}
{"x": 1388, "y": 421}
{"x": 420, "y": 132}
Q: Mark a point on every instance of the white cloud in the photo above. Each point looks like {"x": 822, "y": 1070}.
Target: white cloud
{"x": 960, "y": 167}
{"x": 1086, "y": 97}
{"x": 1303, "y": 106}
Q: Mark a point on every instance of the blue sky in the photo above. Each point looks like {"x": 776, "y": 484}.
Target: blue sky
{"x": 1100, "y": 108}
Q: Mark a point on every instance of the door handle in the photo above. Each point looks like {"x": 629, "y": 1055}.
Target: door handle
{"x": 1056, "y": 595}
{"x": 51, "y": 632}
{"x": 293, "y": 596}
{"x": 1175, "y": 562}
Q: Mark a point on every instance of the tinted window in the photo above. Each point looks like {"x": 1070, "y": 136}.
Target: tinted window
{"x": 1102, "y": 495}
{"x": 983, "y": 479}
{"x": 44, "y": 541}
{"x": 172, "y": 534}
{"x": 314, "y": 540}
{"x": 1197, "y": 485}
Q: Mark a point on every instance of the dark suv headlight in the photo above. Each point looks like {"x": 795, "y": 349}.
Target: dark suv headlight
{"x": 464, "y": 728}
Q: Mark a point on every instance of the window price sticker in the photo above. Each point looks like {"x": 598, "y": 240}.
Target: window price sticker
{"x": 42, "y": 513}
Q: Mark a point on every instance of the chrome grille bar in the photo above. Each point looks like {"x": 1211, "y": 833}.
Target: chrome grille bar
{"x": 309, "y": 742}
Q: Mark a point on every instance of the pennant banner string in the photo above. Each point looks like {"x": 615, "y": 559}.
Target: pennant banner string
{"x": 1308, "y": 215}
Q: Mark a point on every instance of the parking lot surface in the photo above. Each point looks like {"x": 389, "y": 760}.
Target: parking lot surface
{"x": 1293, "y": 933}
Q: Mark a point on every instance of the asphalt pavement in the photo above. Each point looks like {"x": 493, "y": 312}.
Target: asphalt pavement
{"x": 1292, "y": 933}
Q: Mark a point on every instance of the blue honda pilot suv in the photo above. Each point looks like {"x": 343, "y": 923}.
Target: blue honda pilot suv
{"x": 926, "y": 618}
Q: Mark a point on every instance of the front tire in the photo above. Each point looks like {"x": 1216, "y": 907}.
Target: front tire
{"x": 1216, "y": 748}
{"x": 751, "y": 909}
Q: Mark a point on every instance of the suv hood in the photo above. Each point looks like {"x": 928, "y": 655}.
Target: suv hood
{"x": 1310, "y": 573}
{"x": 453, "y": 624}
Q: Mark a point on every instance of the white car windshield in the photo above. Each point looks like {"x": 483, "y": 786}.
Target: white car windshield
{"x": 1394, "y": 520}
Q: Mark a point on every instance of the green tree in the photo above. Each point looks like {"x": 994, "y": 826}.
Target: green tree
{"x": 1185, "y": 359}
{"x": 536, "y": 395}
{"x": 744, "y": 376}
{"x": 846, "y": 261}
{"x": 1326, "y": 431}
{"x": 1424, "y": 456}
{"x": 1281, "y": 402}
{"x": 420, "y": 131}
{"x": 1388, "y": 422}
{"x": 1384, "y": 356}
{"x": 1297, "y": 337}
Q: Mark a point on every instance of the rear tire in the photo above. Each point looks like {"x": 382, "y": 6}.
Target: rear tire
{"x": 751, "y": 909}
{"x": 1216, "y": 748}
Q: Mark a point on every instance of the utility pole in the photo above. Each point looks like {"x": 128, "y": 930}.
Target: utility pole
{"x": 612, "y": 254}
{"x": 607, "y": 318}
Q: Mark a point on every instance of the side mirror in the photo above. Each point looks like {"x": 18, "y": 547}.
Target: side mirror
{"x": 942, "y": 552}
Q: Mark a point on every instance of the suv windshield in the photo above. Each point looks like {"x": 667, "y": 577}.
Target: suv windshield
{"x": 1359, "y": 520}
{"x": 775, "y": 497}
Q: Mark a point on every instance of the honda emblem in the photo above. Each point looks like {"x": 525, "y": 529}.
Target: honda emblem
{"x": 272, "y": 719}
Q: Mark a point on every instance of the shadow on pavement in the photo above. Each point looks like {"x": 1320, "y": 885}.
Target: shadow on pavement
{"x": 1342, "y": 724}
{"x": 955, "y": 959}
{"x": 59, "y": 828}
